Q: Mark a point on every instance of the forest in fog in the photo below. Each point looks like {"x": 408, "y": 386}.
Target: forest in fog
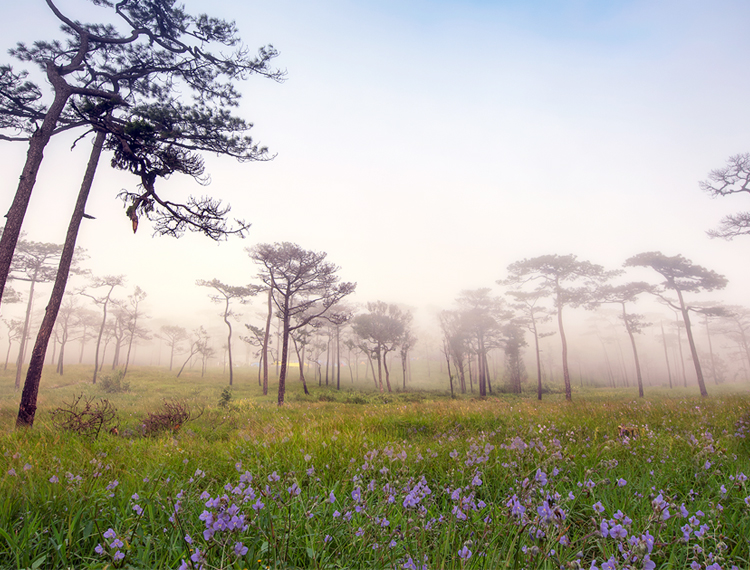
{"x": 506, "y": 337}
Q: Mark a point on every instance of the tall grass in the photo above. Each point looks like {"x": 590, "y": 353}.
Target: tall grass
{"x": 364, "y": 480}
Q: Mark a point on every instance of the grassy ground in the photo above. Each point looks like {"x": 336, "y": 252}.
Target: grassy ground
{"x": 356, "y": 480}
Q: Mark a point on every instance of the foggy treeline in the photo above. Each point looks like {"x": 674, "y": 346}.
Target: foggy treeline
{"x": 505, "y": 338}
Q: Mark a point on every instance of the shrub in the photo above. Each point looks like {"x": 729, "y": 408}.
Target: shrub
{"x": 115, "y": 382}
{"x": 170, "y": 419}
{"x": 225, "y": 399}
{"x": 86, "y": 417}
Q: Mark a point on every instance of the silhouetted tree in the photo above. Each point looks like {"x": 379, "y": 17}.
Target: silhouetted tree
{"x": 512, "y": 336}
{"x": 33, "y": 262}
{"x": 162, "y": 52}
{"x": 634, "y": 324}
{"x": 381, "y": 330}
{"x": 199, "y": 345}
{"x": 736, "y": 325}
{"x": 734, "y": 178}
{"x": 456, "y": 338}
{"x": 681, "y": 276}
{"x": 527, "y": 302}
{"x": 225, "y": 294}
{"x": 302, "y": 283}
{"x": 482, "y": 315}
{"x": 338, "y": 317}
{"x": 15, "y": 332}
{"x": 64, "y": 327}
{"x": 134, "y": 314}
{"x": 173, "y": 335}
{"x": 108, "y": 283}
{"x": 567, "y": 280}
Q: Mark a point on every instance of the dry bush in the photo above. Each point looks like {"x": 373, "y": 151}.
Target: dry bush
{"x": 173, "y": 415}
{"x": 86, "y": 417}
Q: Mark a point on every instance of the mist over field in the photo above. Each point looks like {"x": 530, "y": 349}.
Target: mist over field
{"x": 374, "y": 284}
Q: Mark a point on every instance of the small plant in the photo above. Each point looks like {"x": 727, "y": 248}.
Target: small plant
{"x": 171, "y": 418}
{"x": 225, "y": 399}
{"x": 86, "y": 417}
{"x": 114, "y": 383}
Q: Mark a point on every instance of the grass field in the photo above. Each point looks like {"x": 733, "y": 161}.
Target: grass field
{"x": 352, "y": 479}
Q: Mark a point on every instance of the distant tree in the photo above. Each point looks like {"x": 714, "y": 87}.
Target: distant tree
{"x": 108, "y": 283}
{"x": 512, "y": 336}
{"x": 405, "y": 344}
{"x": 118, "y": 327}
{"x": 302, "y": 282}
{"x": 266, "y": 340}
{"x": 15, "y": 332}
{"x": 199, "y": 345}
{"x": 482, "y": 314}
{"x": 173, "y": 335}
{"x": 734, "y": 178}
{"x": 381, "y": 329}
{"x": 567, "y": 280}
{"x": 255, "y": 337}
{"x": 226, "y": 294}
{"x": 33, "y": 262}
{"x": 134, "y": 313}
{"x": 338, "y": 317}
{"x": 634, "y": 323}
{"x": 10, "y": 295}
{"x": 456, "y": 339}
{"x": 301, "y": 338}
{"x": 527, "y": 302}
{"x": 735, "y": 323}
{"x": 64, "y": 327}
{"x": 86, "y": 320}
{"x": 681, "y": 276}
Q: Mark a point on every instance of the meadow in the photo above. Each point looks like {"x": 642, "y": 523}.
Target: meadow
{"x": 354, "y": 479}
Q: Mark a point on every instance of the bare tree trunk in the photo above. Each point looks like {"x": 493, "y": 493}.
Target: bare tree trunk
{"x": 387, "y": 373}
{"x": 635, "y": 352}
{"x": 566, "y": 372}
{"x": 446, "y": 351}
{"x": 374, "y": 376}
{"x": 35, "y": 154}
{"x": 301, "y": 362}
{"x": 265, "y": 343}
{"x": 711, "y": 352}
{"x": 7, "y": 354}
{"x": 666, "y": 356}
{"x": 691, "y": 344}
{"x": 338, "y": 359}
{"x": 487, "y": 373}
{"x": 229, "y": 342}
{"x": 27, "y": 407}
{"x": 284, "y": 352}
{"x": 538, "y": 361}
{"x": 24, "y": 335}
{"x": 679, "y": 347}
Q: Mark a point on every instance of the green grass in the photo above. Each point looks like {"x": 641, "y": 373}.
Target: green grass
{"x": 417, "y": 479}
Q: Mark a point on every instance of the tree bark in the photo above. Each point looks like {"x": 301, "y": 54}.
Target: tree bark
{"x": 284, "y": 352}
{"x": 34, "y": 156}
{"x": 691, "y": 343}
{"x": 27, "y": 408}
{"x": 265, "y": 342}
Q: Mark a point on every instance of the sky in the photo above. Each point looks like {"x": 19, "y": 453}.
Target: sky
{"x": 425, "y": 146}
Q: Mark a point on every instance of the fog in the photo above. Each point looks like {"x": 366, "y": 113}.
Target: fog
{"x": 425, "y": 147}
